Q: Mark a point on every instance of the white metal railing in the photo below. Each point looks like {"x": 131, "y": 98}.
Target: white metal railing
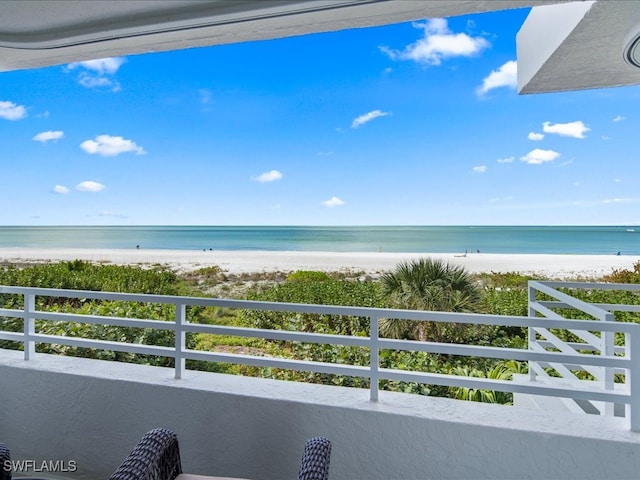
{"x": 627, "y": 393}
{"x": 589, "y": 338}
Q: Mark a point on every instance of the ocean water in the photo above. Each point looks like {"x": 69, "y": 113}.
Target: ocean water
{"x": 411, "y": 239}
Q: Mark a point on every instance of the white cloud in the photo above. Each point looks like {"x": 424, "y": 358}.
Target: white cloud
{"x": 109, "y": 146}
{"x": 438, "y": 43}
{"x": 89, "y": 81}
{"x": 48, "y": 136}
{"x": 619, "y": 118}
{"x": 480, "y": 169}
{"x": 571, "y": 129}
{"x": 536, "y": 137}
{"x": 333, "y": 202}
{"x": 270, "y": 176}
{"x": 538, "y": 156}
{"x": 11, "y": 111}
{"x": 102, "y": 66}
{"x": 90, "y": 186}
{"x": 505, "y": 76}
{"x": 60, "y": 190}
{"x": 367, "y": 117}
{"x": 619, "y": 200}
{"x": 506, "y": 160}
{"x": 98, "y": 73}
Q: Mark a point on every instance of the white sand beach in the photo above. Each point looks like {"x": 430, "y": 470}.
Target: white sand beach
{"x": 372, "y": 263}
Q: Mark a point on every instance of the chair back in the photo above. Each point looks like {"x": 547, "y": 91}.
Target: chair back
{"x": 5, "y": 462}
{"x": 156, "y": 457}
{"x": 315, "y": 459}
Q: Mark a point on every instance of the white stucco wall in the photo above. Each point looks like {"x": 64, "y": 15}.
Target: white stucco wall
{"x": 94, "y": 412}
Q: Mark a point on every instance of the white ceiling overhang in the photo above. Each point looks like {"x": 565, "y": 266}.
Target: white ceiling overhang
{"x": 38, "y": 33}
{"x": 561, "y": 46}
{"x": 579, "y": 45}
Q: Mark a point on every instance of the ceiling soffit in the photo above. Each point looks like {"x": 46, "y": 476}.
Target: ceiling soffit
{"x": 38, "y": 33}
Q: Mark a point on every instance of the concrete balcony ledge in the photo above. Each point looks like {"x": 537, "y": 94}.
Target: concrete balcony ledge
{"x": 93, "y": 412}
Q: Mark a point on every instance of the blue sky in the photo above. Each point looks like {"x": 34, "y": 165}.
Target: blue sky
{"x": 411, "y": 124}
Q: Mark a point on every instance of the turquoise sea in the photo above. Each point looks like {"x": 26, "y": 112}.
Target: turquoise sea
{"x": 436, "y": 239}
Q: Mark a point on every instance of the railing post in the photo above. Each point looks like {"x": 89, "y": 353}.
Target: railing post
{"x": 29, "y": 324}
{"x": 374, "y": 358}
{"x": 181, "y": 319}
{"x": 531, "y": 334}
{"x": 632, "y": 341}
{"x": 608, "y": 348}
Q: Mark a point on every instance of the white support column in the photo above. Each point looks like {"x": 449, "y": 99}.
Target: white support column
{"x": 608, "y": 348}
{"x": 374, "y": 358}
{"x": 180, "y": 345}
{"x": 29, "y": 324}
{"x": 632, "y": 342}
{"x": 531, "y": 334}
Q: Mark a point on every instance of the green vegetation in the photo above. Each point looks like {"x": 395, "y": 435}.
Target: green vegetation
{"x": 80, "y": 275}
{"x": 425, "y": 284}
{"x": 432, "y": 285}
{"x": 501, "y": 371}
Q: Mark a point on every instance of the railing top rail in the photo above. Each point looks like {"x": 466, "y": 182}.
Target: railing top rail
{"x": 416, "y": 315}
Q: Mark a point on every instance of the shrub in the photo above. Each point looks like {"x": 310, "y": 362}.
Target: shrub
{"x": 325, "y": 291}
{"x": 308, "y": 276}
{"x": 624, "y": 276}
{"x": 432, "y": 285}
{"x": 81, "y": 275}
